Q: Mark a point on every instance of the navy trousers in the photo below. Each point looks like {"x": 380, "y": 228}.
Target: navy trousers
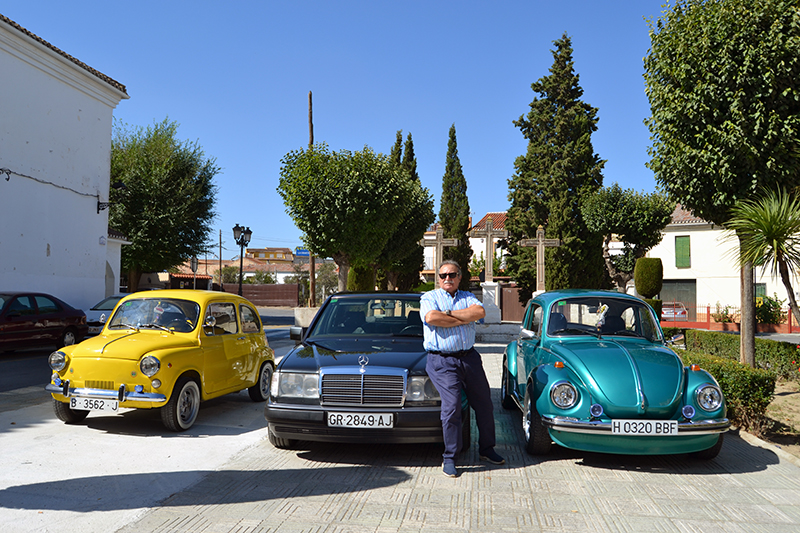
{"x": 451, "y": 374}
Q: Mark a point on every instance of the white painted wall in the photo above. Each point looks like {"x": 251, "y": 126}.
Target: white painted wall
{"x": 713, "y": 265}
{"x": 55, "y": 138}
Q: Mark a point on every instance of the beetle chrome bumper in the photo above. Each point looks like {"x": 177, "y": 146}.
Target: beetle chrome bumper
{"x": 572, "y": 425}
{"x": 121, "y": 395}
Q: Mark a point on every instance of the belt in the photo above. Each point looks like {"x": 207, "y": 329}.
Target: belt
{"x": 459, "y": 353}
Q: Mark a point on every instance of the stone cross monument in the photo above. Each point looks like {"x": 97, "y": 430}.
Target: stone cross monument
{"x": 540, "y": 243}
{"x": 438, "y": 243}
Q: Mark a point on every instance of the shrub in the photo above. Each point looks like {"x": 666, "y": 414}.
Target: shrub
{"x": 648, "y": 276}
{"x": 780, "y": 358}
{"x": 655, "y": 304}
{"x": 748, "y": 391}
{"x": 724, "y": 314}
{"x": 769, "y": 310}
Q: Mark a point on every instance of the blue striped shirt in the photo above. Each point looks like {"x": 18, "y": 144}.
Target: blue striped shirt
{"x": 457, "y": 338}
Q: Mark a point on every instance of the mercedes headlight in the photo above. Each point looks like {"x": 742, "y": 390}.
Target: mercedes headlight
{"x": 149, "y": 366}
{"x": 564, "y": 395}
{"x": 420, "y": 389}
{"x": 709, "y": 397}
{"x": 294, "y": 385}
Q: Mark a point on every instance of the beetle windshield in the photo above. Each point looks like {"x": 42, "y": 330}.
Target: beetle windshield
{"x": 604, "y": 316}
{"x": 369, "y": 316}
{"x": 157, "y": 313}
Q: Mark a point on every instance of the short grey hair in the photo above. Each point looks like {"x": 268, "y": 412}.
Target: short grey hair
{"x": 451, "y": 262}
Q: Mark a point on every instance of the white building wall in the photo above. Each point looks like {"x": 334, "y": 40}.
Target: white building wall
{"x": 55, "y": 139}
{"x": 713, "y": 265}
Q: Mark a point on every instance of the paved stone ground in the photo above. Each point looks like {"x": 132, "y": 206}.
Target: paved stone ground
{"x": 391, "y": 488}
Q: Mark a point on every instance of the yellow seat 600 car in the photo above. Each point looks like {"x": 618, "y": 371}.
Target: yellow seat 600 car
{"x": 167, "y": 350}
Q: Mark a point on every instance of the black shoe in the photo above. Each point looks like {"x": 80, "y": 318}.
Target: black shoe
{"x": 493, "y": 457}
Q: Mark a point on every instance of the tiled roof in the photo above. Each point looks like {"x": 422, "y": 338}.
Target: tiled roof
{"x": 110, "y": 81}
{"x": 681, "y": 215}
{"x": 498, "y": 221}
{"x": 181, "y": 275}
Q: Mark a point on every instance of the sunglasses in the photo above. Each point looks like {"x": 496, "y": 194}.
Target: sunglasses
{"x": 451, "y": 275}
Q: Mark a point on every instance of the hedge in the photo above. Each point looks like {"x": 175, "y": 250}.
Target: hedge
{"x": 780, "y": 358}
{"x": 748, "y": 391}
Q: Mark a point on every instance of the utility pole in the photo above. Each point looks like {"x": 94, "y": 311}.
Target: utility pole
{"x": 312, "y": 299}
{"x": 221, "y": 286}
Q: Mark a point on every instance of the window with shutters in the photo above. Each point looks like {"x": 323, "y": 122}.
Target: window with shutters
{"x": 683, "y": 252}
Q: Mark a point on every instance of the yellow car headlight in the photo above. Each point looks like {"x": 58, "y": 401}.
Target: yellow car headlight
{"x": 150, "y": 366}
{"x": 57, "y": 361}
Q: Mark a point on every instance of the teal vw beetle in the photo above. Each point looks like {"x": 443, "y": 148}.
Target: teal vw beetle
{"x": 591, "y": 372}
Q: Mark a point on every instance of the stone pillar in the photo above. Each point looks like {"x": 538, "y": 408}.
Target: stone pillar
{"x": 491, "y": 302}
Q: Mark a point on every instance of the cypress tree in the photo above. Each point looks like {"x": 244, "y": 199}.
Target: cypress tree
{"x": 558, "y": 171}
{"x": 454, "y": 210}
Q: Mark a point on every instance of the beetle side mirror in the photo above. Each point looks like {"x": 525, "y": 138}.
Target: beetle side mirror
{"x": 526, "y": 334}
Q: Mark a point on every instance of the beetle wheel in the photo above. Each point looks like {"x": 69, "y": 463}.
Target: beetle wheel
{"x": 710, "y": 453}
{"x": 537, "y": 439}
{"x": 506, "y": 400}
{"x": 67, "y": 414}
{"x": 260, "y": 391}
{"x": 282, "y": 444}
{"x": 181, "y": 410}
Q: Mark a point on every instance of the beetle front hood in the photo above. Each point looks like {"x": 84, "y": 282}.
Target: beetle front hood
{"x": 131, "y": 345}
{"x": 630, "y": 379}
{"x": 311, "y": 357}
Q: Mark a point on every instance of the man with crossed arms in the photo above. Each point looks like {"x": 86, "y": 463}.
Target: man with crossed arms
{"x": 449, "y": 317}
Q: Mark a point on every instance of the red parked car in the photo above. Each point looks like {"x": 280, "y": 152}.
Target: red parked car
{"x": 33, "y": 319}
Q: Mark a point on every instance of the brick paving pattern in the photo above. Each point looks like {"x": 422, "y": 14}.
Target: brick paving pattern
{"x": 335, "y": 488}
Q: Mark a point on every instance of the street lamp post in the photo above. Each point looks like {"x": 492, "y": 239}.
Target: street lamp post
{"x": 242, "y": 237}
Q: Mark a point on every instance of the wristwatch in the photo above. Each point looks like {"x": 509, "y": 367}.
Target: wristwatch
{"x": 448, "y": 312}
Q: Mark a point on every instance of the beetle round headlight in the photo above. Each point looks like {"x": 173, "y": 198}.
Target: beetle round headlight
{"x": 564, "y": 395}
{"x": 709, "y": 397}
{"x": 149, "y": 366}
{"x": 57, "y": 361}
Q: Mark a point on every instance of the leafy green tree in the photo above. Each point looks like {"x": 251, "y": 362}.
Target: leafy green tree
{"x": 637, "y": 219}
{"x": 555, "y": 176}
{"x": 454, "y": 210}
{"x": 230, "y": 274}
{"x": 327, "y": 281}
{"x": 721, "y": 76}
{"x": 402, "y": 258}
{"x": 261, "y": 277}
{"x": 768, "y": 229}
{"x": 165, "y": 205}
{"x": 347, "y": 204}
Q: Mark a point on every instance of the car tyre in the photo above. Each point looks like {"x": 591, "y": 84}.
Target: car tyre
{"x": 282, "y": 444}
{"x": 68, "y": 338}
{"x": 67, "y": 414}
{"x": 710, "y": 453}
{"x": 537, "y": 439}
{"x": 260, "y": 391}
{"x": 506, "y": 400}
{"x": 181, "y": 410}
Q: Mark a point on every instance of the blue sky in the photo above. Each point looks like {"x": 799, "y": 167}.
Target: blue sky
{"x": 236, "y": 76}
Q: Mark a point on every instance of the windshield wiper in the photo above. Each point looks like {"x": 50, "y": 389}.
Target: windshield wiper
{"x": 318, "y": 345}
{"x": 124, "y": 325}
{"x": 575, "y": 330}
{"x": 159, "y": 326}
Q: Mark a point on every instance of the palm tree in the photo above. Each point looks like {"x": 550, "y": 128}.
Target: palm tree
{"x": 768, "y": 229}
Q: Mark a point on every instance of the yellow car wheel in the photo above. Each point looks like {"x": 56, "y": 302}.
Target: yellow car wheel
{"x": 181, "y": 411}
{"x": 66, "y": 414}
{"x": 260, "y": 391}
